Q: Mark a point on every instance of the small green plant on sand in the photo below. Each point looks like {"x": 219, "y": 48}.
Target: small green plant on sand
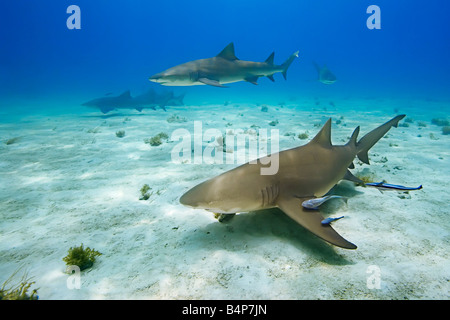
{"x": 365, "y": 176}
{"x": 157, "y": 140}
{"x": 446, "y": 130}
{"x": 145, "y": 194}
{"x": 303, "y": 136}
{"x": 81, "y": 257}
{"x": 18, "y": 291}
{"x": 120, "y": 134}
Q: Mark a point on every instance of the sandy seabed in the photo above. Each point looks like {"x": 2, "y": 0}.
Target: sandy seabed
{"x": 68, "y": 179}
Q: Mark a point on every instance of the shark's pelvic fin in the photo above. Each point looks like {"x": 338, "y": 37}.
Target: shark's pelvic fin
{"x": 228, "y": 52}
{"x": 210, "y": 82}
{"x": 271, "y": 77}
{"x": 324, "y": 136}
{"x": 373, "y": 136}
{"x": 350, "y": 177}
{"x": 311, "y": 220}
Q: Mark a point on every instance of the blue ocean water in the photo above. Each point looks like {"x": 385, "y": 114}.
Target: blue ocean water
{"x": 121, "y": 44}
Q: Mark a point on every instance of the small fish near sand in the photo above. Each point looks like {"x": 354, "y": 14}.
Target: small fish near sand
{"x": 314, "y": 204}
{"x": 221, "y": 69}
{"x": 387, "y": 186}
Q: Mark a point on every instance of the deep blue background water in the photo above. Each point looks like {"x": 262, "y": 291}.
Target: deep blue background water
{"x": 122, "y": 43}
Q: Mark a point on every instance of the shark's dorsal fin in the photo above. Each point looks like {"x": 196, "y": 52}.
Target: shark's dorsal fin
{"x": 269, "y": 60}
{"x": 352, "y": 142}
{"x": 324, "y": 136}
{"x": 228, "y": 52}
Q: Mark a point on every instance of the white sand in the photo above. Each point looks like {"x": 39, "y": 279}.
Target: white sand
{"x": 69, "y": 180}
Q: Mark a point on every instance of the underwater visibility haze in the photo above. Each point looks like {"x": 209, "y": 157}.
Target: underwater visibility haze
{"x": 224, "y": 149}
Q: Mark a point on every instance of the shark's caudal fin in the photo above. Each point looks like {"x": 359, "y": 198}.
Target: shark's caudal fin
{"x": 288, "y": 62}
{"x": 369, "y": 140}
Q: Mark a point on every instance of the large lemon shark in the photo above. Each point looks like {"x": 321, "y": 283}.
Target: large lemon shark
{"x": 304, "y": 173}
{"x": 221, "y": 69}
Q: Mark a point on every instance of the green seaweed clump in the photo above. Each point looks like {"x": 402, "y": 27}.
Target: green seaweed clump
{"x": 176, "y": 119}
{"x": 157, "y": 140}
{"x": 81, "y": 257}
{"x": 273, "y": 123}
{"x": 145, "y": 195}
{"x": 120, "y": 134}
{"x": 18, "y": 291}
{"x": 12, "y": 140}
{"x": 365, "y": 176}
{"x": 446, "y": 130}
{"x": 303, "y": 136}
{"x": 440, "y": 122}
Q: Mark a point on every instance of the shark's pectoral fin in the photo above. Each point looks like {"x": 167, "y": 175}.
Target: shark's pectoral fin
{"x": 210, "y": 82}
{"x": 252, "y": 79}
{"x": 311, "y": 220}
{"x": 106, "y": 109}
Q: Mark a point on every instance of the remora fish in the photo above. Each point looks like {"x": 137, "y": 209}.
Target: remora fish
{"x": 221, "y": 69}
{"x": 387, "y": 186}
{"x": 315, "y": 203}
{"x": 303, "y": 173}
{"x": 327, "y": 221}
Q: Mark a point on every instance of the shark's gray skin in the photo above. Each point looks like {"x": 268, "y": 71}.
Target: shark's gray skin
{"x": 221, "y": 69}
{"x": 149, "y": 99}
{"x": 304, "y": 173}
{"x": 324, "y": 74}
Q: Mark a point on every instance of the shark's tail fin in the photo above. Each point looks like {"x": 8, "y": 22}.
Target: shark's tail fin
{"x": 288, "y": 62}
{"x": 369, "y": 140}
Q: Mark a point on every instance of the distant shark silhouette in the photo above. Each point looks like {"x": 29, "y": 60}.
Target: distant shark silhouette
{"x": 221, "y": 69}
{"x": 149, "y": 99}
{"x": 324, "y": 74}
{"x": 304, "y": 173}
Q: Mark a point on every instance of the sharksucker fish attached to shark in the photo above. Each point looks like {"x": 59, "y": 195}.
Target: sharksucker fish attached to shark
{"x": 304, "y": 173}
{"x": 221, "y": 69}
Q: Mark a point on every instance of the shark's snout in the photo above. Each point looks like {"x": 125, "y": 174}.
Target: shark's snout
{"x": 158, "y": 78}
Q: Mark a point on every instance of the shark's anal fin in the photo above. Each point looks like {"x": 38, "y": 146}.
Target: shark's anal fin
{"x": 350, "y": 177}
{"x": 311, "y": 220}
{"x": 211, "y": 82}
{"x": 252, "y": 79}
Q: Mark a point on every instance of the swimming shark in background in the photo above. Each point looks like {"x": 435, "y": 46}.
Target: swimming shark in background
{"x": 325, "y": 75}
{"x": 304, "y": 173}
{"x": 221, "y": 69}
{"x": 109, "y": 103}
{"x": 149, "y": 99}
